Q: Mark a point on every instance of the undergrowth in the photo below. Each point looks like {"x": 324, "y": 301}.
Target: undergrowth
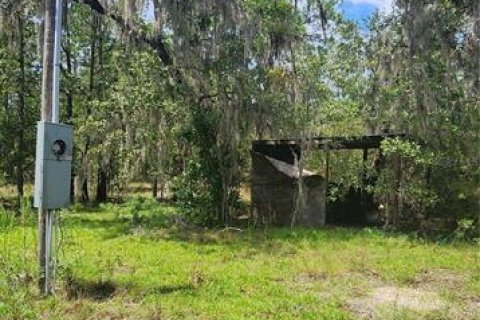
{"x": 141, "y": 260}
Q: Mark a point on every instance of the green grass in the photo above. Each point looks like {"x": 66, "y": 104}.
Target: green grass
{"x": 111, "y": 268}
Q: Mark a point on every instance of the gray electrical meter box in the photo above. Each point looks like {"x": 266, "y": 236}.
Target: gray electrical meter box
{"x": 53, "y": 165}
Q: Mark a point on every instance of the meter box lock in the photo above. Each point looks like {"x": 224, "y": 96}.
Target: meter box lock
{"x": 53, "y": 165}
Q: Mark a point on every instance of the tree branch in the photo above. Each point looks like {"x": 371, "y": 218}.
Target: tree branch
{"x": 156, "y": 42}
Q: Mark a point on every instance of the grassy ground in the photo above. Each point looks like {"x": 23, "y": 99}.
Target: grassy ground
{"x": 112, "y": 268}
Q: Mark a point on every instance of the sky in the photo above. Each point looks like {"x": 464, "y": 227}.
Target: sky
{"x": 357, "y": 10}
{"x": 360, "y": 10}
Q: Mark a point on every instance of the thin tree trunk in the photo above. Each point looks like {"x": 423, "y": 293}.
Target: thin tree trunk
{"x": 476, "y": 49}
{"x": 69, "y": 93}
{"x": 155, "y": 187}
{"x": 476, "y": 57}
{"x": 40, "y": 28}
{"x": 129, "y": 11}
{"x": 93, "y": 44}
{"x": 102, "y": 174}
{"x": 101, "y": 185}
{"x": 2, "y": 21}
{"x": 162, "y": 189}
{"x": 396, "y": 191}
{"x": 157, "y": 9}
{"x": 21, "y": 108}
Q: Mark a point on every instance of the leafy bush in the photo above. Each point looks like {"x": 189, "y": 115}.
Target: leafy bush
{"x": 466, "y": 230}
{"x": 202, "y": 191}
{"x": 402, "y": 185}
{"x": 196, "y": 195}
{"x": 144, "y": 212}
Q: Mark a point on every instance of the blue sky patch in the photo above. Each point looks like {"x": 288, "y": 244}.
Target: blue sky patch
{"x": 357, "y": 12}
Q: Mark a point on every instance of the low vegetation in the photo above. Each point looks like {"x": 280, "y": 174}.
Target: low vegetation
{"x": 141, "y": 260}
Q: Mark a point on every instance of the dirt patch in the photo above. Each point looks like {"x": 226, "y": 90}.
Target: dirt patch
{"x": 430, "y": 292}
{"x": 417, "y": 300}
{"x": 310, "y": 276}
{"x": 473, "y": 306}
{"x": 438, "y": 279}
{"x": 436, "y": 293}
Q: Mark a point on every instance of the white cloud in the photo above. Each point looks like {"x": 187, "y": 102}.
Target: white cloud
{"x": 384, "y": 5}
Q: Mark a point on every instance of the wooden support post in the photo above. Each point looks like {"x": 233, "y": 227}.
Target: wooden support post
{"x": 396, "y": 195}
{"x": 327, "y": 174}
{"x": 364, "y": 168}
{"x": 364, "y": 185}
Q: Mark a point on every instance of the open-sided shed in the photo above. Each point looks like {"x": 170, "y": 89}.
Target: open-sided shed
{"x": 276, "y": 176}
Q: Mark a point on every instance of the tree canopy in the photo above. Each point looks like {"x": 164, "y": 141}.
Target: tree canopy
{"x": 175, "y": 99}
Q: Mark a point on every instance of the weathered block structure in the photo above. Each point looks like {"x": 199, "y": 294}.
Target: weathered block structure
{"x": 275, "y": 193}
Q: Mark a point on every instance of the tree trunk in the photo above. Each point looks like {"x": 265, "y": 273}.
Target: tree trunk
{"x": 157, "y": 9}
{"x": 129, "y": 11}
{"x": 20, "y": 163}
{"x": 102, "y": 183}
{"x": 3, "y": 35}
{"x": 93, "y": 45}
{"x": 69, "y": 94}
{"x": 162, "y": 189}
{"x": 102, "y": 173}
{"x": 155, "y": 187}
{"x": 476, "y": 48}
{"x": 397, "y": 199}
{"x": 40, "y": 28}
{"x": 476, "y": 56}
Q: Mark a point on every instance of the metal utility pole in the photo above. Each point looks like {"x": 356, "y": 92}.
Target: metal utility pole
{"x": 50, "y": 114}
